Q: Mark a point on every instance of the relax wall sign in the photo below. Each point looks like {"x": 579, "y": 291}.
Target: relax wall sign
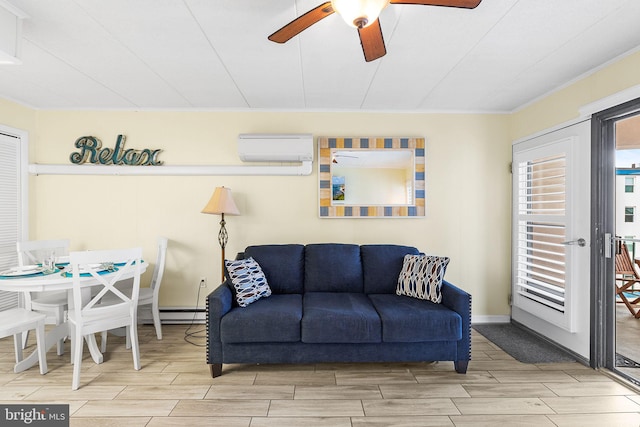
{"x": 91, "y": 151}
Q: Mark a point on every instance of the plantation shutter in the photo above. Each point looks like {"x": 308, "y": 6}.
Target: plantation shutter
{"x": 10, "y": 209}
{"x": 546, "y": 249}
{"x": 541, "y": 228}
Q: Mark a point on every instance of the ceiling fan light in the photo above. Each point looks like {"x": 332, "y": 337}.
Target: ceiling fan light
{"x": 359, "y": 13}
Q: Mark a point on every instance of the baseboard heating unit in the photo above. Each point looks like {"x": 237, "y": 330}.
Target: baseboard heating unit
{"x": 173, "y": 315}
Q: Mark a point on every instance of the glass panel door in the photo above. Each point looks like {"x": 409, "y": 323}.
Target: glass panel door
{"x": 627, "y": 246}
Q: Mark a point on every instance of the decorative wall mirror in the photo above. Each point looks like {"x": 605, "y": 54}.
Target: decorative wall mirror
{"x": 371, "y": 177}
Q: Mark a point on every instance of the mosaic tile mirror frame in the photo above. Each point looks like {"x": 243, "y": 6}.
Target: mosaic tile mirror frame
{"x": 342, "y": 171}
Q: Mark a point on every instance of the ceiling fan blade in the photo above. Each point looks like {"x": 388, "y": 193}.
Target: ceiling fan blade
{"x": 301, "y": 23}
{"x": 468, "y": 4}
{"x": 372, "y": 41}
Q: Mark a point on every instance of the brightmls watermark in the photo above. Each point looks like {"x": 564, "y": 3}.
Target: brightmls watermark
{"x": 34, "y": 415}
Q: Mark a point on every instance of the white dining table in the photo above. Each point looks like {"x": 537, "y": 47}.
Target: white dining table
{"x": 57, "y": 281}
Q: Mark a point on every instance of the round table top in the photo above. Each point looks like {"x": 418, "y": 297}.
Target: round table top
{"x": 52, "y": 282}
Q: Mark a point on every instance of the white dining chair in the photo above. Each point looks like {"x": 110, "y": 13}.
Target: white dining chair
{"x": 91, "y": 312}
{"x": 148, "y": 296}
{"x": 18, "y": 321}
{"x": 53, "y": 304}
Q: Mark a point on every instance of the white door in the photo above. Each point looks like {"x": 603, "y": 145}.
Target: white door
{"x": 551, "y": 230}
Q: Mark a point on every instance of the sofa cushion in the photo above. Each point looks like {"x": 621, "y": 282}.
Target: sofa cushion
{"x": 339, "y": 317}
{"x": 283, "y": 266}
{"x": 274, "y": 319}
{"x": 381, "y": 266}
{"x": 332, "y": 267}
{"x": 407, "y": 319}
{"x": 248, "y": 280}
{"x": 421, "y": 277}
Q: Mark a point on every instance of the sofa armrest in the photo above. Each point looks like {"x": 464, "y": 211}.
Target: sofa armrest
{"x": 459, "y": 301}
{"x": 219, "y": 303}
{"x": 456, "y": 299}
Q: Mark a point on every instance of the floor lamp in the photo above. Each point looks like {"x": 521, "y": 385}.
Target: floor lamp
{"x": 222, "y": 203}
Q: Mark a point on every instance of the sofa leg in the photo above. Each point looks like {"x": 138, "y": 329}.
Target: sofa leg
{"x": 216, "y": 369}
{"x": 461, "y": 366}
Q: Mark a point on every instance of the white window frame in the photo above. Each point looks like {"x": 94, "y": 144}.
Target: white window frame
{"x": 565, "y": 319}
{"x": 629, "y": 181}
{"x": 632, "y": 214}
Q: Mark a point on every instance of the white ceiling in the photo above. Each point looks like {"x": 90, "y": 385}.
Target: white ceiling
{"x": 214, "y": 54}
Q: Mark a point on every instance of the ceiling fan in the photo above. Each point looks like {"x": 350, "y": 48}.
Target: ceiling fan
{"x": 334, "y": 158}
{"x": 361, "y": 14}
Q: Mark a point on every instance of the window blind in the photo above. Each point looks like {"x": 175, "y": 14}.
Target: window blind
{"x": 10, "y": 223}
{"x": 541, "y": 229}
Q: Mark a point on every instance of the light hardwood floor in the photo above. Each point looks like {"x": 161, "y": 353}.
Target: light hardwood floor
{"x": 174, "y": 388}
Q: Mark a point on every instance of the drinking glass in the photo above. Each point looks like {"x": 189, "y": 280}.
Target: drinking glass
{"x": 49, "y": 263}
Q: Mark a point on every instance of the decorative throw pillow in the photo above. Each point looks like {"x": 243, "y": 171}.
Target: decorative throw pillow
{"x": 421, "y": 277}
{"x": 248, "y": 280}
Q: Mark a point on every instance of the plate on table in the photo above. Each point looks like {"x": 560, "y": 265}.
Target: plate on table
{"x": 25, "y": 270}
{"x": 88, "y": 267}
{"x": 100, "y": 268}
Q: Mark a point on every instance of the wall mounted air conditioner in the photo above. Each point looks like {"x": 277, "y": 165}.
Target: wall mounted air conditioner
{"x": 275, "y": 147}
{"x": 10, "y": 33}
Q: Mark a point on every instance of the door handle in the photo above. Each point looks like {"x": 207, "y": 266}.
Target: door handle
{"x": 580, "y": 242}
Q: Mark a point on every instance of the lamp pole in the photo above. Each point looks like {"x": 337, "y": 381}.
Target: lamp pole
{"x": 223, "y": 238}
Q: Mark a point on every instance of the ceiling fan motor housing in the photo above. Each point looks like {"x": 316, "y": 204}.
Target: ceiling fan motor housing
{"x": 360, "y": 22}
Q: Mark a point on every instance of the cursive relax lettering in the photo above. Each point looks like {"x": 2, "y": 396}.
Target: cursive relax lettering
{"x": 90, "y": 150}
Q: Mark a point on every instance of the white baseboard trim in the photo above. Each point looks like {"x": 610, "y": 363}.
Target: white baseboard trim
{"x": 173, "y": 315}
{"x": 490, "y": 319}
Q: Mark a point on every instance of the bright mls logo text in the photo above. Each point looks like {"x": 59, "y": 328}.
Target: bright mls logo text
{"x": 38, "y": 415}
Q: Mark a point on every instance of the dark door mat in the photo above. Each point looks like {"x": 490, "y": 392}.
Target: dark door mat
{"x": 625, "y": 362}
{"x": 522, "y": 345}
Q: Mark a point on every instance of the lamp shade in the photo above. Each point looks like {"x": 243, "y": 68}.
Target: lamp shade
{"x": 221, "y": 203}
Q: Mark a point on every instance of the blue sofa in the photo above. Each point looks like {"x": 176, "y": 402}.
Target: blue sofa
{"x": 336, "y": 303}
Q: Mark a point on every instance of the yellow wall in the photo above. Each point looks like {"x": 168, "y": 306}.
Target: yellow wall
{"x": 563, "y": 105}
{"x": 17, "y": 116}
{"x": 467, "y": 179}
